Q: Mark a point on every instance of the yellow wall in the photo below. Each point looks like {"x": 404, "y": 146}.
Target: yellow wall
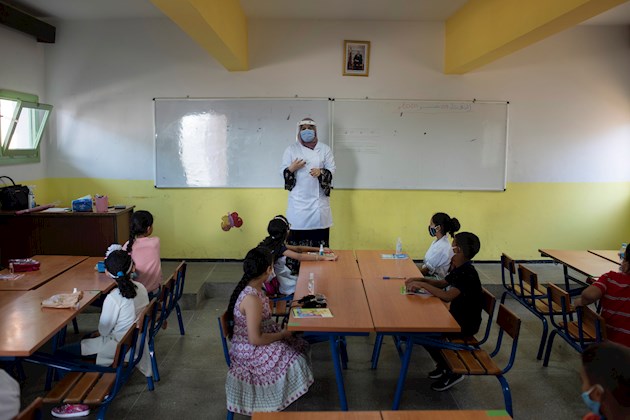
{"x": 526, "y": 217}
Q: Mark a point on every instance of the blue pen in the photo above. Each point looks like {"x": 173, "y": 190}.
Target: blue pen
{"x": 393, "y": 277}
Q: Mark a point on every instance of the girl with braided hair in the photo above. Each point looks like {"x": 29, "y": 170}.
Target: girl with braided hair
{"x": 279, "y": 230}
{"x": 145, "y": 251}
{"x": 268, "y": 369}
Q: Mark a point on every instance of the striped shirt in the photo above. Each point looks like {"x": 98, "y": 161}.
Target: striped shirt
{"x": 615, "y": 302}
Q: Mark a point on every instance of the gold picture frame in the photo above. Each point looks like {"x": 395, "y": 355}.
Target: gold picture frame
{"x": 356, "y": 58}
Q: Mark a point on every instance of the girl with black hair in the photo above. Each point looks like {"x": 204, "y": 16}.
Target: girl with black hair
{"x": 437, "y": 260}
{"x": 145, "y": 251}
{"x": 279, "y": 229}
{"x": 268, "y": 369}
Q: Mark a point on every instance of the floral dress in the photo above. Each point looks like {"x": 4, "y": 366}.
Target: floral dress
{"x": 268, "y": 377}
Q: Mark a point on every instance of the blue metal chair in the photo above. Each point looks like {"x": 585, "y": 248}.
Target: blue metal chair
{"x": 164, "y": 302}
{"x": 509, "y": 265}
{"x": 589, "y": 328}
{"x": 223, "y": 328}
{"x": 479, "y": 362}
{"x": 180, "y": 277}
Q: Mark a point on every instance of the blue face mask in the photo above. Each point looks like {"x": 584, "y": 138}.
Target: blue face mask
{"x": 594, "y": 406}
{"x": 432, "y": 230}
{"x": 307, "y": 135}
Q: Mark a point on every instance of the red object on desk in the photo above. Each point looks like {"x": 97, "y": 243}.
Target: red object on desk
{"x": 23, "y": 265}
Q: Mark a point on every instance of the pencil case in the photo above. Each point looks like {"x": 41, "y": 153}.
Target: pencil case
{"x": 21, "y": 265}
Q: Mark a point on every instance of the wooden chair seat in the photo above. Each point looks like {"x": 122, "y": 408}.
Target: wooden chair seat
{"x": 90, "y": 388}
{"x": 574, "y": 331}
{"x": 470, "y": 362}
{"x": 543, "y": 306}
{"x": 470, "y": 341}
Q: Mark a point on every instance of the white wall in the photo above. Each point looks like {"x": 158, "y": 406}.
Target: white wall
{"x": 22, "y": 68}
{"x": 569, "y": 94}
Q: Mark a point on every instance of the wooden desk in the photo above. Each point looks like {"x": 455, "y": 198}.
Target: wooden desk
{"x": 345, "y": 267}
{"x": 319, "y": 415}
{"x": 25, "y": 326}
{"x": 609, "y": 254}
{"x": 583, "y": 262}
{"x": 445, "y": 415}
{"x": 83, "y": 276}
{"x": 372, "y": 263}
{"x": 61, "y": 233}
{"x": 51, "y": 266}
{"x": 7, "y": 297}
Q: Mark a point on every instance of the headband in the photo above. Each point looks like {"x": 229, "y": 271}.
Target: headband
{"x": 281, "y": 218}
{"x": 307, "y": 122}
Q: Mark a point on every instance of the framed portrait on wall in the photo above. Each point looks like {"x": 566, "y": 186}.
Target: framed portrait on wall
{"x": 356, "y": 58}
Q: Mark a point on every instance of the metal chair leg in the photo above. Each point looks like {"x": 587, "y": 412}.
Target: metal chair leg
{"x": 377, "y": 350}
{"x": 549, "y": 346}
{"x": 154, "y": 366}
{"x": 543, "y": 339}
{"x": 507, "y": 394}
{"x": 179, "y": 319}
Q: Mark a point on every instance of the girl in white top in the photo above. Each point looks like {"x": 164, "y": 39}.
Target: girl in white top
{"x": 278, "y": 230}
{"x": 437, "y": 260}
{"x": 308, "y": 167}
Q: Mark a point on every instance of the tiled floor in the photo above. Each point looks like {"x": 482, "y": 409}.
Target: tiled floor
{"x": 193, "y": 369}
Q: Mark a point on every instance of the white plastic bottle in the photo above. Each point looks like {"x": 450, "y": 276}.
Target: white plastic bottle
{"x": 622, "y": 251}
{"x": 399, "y": 246}
{"x": 31, "y": 196}
{"x": 321, "y": 249}
{"x": 311, "y": 284}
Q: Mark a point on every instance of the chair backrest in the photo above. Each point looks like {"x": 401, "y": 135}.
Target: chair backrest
{"x": 32, "y": 412}
{"x": 168, "y": 297}
{"x": 529, "y": 279}
{"x": 511, "y": 324}
{"x": 592, "y": 324}
{"x": 558, "y": 298}
{"x": 127, "y": 343}
{"x": 180, "y": 276}
{"x": 507, "y": 264}
{"x": 489, "y": 304}
{"x": 223, "y": 330}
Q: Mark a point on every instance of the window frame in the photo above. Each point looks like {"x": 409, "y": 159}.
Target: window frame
{"x": 24, "y": 102}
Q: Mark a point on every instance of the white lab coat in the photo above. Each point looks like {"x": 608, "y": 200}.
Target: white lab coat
{"x": 438, "y": 257}
{"x": 308, "y": 206}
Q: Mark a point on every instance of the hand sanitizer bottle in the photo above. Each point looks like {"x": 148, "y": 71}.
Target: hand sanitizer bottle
{"x": 31, "y": 196}
{"x": 321, "y": 249}
{"x": 622, "y": 251}
{"x": 311, "y": 284}
{"x": 399, "y": 246}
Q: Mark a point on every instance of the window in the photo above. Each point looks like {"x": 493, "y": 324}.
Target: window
{"x": 22, "y": 123}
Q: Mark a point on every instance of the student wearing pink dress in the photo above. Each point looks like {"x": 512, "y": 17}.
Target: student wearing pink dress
{"x": 268, "y": 369}
{"x": 145, "y": 251}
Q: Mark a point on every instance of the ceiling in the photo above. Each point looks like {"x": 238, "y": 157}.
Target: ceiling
{"x": 414, "y": 10}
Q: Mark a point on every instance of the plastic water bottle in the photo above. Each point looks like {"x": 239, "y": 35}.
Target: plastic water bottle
{"x": 311, "y": 284}
{"x": 622, "y": 251}
{"x": 399, "y": 246}
{"x": 321, "y": 249}
{"x": 31, "y": 196}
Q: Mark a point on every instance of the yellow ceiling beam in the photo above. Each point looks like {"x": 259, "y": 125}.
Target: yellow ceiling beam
{"x": 219, "y": 26}
{"x": 485, "y": 30}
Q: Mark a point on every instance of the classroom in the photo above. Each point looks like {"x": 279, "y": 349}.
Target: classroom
{"x": 565, "y": 77}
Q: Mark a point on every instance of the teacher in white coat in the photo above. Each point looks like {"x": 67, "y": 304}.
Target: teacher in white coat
{"x": 308, "y": 167}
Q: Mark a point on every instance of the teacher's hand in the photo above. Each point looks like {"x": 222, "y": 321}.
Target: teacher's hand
{"x": 316, "y": 172}
{"x": 297, "y": 164}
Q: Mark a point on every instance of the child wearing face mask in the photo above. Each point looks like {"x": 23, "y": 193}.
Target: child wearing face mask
{"x": 606, "y": 381}
{"x": 465, "y": 297}
{"x": 437, "y": 260}
{"x": 613, "y": 288}
{"x": 268, "y": 369}
{"x": 278, "y": 230}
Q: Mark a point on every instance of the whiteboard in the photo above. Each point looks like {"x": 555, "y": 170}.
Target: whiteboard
{"x": 424, "y": 145}
{"x": 377, "y": 144}
{"x": 229, "y": 143}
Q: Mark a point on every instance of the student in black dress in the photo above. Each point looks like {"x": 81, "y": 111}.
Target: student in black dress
{"x": 466, "y": 301}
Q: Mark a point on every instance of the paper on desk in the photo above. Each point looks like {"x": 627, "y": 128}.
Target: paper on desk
{"x": 56, "y": 210}
{"x": 420, "y": 292}
{"x": 11, "y": 276}
{"x": 394, "y": 256}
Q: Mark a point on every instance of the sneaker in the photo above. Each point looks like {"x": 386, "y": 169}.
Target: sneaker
{"x": 436, "y": 373}
{"x": 447, "y": 381}
{"x": 70, "y": 410}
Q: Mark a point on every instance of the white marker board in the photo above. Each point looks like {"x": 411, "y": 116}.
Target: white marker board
{"x": 377, "y": 144}
{"x": 229, "y": 143}
{"x": 420, "y": 145}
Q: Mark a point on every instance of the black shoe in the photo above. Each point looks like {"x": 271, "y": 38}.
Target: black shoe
{"x": 436, "y": 373}
{"x": 447, "y": 381}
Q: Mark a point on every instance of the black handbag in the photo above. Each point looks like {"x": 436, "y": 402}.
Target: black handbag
{"x": 13, "y": 197}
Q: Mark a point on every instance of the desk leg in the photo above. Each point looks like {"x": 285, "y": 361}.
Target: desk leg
{"x": 403, "y": 373}
{"x": 332, "y": 339}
